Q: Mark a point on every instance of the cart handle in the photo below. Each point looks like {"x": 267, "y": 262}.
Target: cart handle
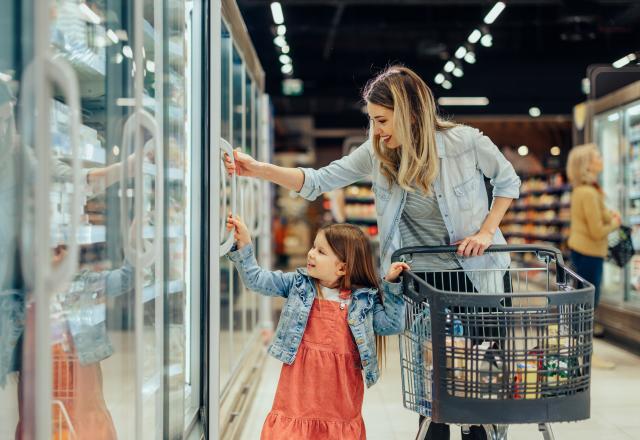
{"x": 549, "y": 250}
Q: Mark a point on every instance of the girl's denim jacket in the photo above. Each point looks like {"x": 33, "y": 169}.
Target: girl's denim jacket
{"x": 367, "y": 315}
{"x": 465, "y": 155}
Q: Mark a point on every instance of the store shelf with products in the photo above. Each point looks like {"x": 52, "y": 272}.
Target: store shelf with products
{"x": 542, "y": 213}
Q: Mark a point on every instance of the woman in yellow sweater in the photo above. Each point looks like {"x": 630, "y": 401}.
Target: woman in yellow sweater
{"x": 591, "y": 221}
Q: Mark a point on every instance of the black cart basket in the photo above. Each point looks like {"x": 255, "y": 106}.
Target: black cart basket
{"x": 497, "y": 345}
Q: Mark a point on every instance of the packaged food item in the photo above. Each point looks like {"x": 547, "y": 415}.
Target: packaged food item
{"x": 526, "y": 381}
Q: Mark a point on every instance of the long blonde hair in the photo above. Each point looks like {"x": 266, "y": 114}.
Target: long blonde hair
{"x": 416, "y": 121}
{"x": 352, "y": 247}
{"x": 578, "y": 165}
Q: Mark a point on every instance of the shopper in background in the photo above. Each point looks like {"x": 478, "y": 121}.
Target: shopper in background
{"x": 427, "y": 178}
{"x": 591, "y": 221}
{"x": 325, "y": 335}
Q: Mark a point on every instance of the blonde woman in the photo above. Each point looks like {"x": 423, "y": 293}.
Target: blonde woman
{"x": 591, "y": 221}
{"x": 428, "y": 182}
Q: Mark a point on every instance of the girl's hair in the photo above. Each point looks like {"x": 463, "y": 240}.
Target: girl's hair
{"x": 415, "y": 124}
{"x": 578, "y": 165}
{"x": 352, "y": 248}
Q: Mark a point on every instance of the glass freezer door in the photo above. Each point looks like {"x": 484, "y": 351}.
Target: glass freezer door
{"x": 608, "y": 131}
{"x": 632, "y": 199}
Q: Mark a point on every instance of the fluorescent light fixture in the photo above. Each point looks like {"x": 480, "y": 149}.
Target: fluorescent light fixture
{"x": 113, "y": 36}
{"x": 470, "y": 57}
{"x": 624, "y": 60}
{"x": 523, "y": 150}
{"x": 449, "y": 66}
{"x": 5, "y": 77}
{"x": 534, "y": 112}
{"x": 151, "y": 66}
{"x": 461, "y": 52}
{"x": 127, "y": 52}
{"x": 285, "y": 49}
{"x": 280, "y": 41}
{"x": 633, "y": 111}
{"x": 439, "y": 78}
{"x": 555, "y": 151}
{"x": 613, "y": 117}
{"x": 286, "y": 68}
{"x": 89, "y": 15}
{"x": 486, "y": 40}
{"x": 474, "y": 36}
{"x": 446, "y": 84}
{"x": 494, "y": 12}
{"x": 458, "y": 72}
{"x": 276, "y": 11}
{"x": 282, "y": 29}
{"x": 464, "y": 101}
{"x": 285, "y": 59}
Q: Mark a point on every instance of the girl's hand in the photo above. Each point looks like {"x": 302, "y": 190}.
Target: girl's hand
{"x": 474, "y": 245}
{"x": 241, "y": 233}
{"x": 395, "y": 270}
{"x": 243, "y": 165}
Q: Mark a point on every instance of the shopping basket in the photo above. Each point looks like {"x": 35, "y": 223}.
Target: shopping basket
{"x": 517, "y": 353}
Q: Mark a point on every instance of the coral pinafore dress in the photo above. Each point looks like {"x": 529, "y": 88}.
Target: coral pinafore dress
{"x": 320, "y": 395}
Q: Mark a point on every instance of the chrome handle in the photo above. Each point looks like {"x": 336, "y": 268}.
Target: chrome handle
{"x": 227, "y": 244}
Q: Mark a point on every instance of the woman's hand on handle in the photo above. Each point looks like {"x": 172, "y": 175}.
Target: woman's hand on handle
{"x": 243, "y": 164}
{"x": 240, "y": 233}
{"x": 474, "y": 245}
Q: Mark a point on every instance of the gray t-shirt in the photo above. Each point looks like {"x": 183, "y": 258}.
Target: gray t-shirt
{"x": 421, "y": 224}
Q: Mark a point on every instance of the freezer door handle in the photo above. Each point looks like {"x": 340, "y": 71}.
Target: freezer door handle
{"x": 227, "y": 244}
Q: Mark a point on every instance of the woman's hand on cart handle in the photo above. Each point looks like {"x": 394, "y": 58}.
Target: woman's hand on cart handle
{"x": 243, "y": 164}
{"x": 474, "y": 245}
{"x": 240, "y": 233}
{"x": 395, "y": 270}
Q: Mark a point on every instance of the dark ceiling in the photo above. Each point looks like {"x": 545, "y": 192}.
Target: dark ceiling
{"x": 540, "y": 51}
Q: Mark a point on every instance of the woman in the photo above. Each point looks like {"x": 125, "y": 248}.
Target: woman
{"x": 591, "y": 221}
{"x": 427, "y": 179}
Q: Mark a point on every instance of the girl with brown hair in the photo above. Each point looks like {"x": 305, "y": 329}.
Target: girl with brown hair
{"x": 332, "y": 326}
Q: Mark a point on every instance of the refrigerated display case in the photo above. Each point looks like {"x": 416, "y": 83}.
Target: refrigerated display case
{"x": 616, "y": 130}
{"x": 102, "y": 225}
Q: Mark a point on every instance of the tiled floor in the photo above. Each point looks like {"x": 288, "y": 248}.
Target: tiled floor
{"x": 615, "y": 403}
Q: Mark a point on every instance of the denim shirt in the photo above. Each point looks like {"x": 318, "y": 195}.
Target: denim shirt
{"x": 464, "y": 155}
{"x": 367, "y": 314}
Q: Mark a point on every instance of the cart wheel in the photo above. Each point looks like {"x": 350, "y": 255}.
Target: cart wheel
{"x": 496, "y": 432}
{"x": 424, "y": 427}
{"x": 545, "y": 429}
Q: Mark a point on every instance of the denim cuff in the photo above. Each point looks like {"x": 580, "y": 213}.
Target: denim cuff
{"x": 392, "y": 288}
{"x": 237, "y": 255}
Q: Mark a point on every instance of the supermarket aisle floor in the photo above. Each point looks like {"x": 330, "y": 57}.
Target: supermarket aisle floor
{"x": 615, "y": 403}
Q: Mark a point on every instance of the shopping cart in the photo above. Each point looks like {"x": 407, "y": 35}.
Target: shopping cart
{"x": 517, "y": 352}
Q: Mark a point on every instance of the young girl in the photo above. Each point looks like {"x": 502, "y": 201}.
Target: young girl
{"x": 325, "y": 336}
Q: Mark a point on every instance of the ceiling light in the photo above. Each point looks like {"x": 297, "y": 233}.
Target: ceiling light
{"x": 151, "y": 66}
{"x": 5, "y": 77}
{"x": 286, "y": 68}
{"x": 285, "y": 49}
{"x": 474, "y": 36}
{"x": 280, "y": 41}
{"x": 282, "y": 29}
{"x": 470, "y": 57}
{"x": 439, "y": 78}
{"x": 89, "y": 15}
{"x": 613, "y": 117}
{"x": 458, "y": 72}
{"x": 486, "y": 40}
{"x": 494, "y": 12}
{"x": 127, "y": 52}
{"x": 276, "y": 11}
{"x": 523, "y": 150}
{"x": 449, "y": 66}
{"x": 466, "y": 101}
{"x": 624, "y": 60}
{"x": 113, "y": 36}
{"x": 461, "y": 52}
{"x": 446, "y": 84}
{"x": 534, "y": 112}
{"x": 285, "y": 59}
{"x": 555, "y": 151}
